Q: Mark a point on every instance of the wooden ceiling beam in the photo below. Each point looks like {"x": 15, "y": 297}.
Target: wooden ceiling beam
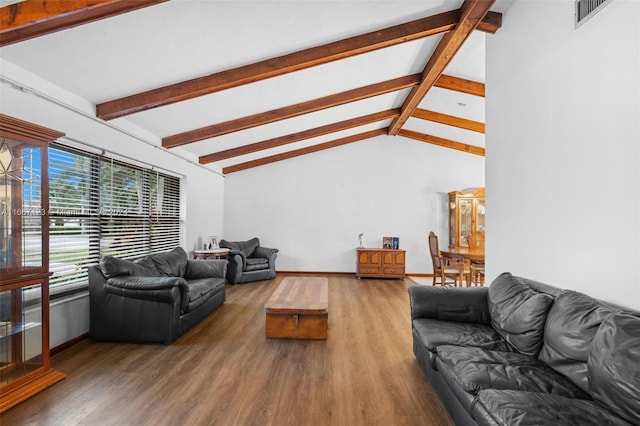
{"x": 277, "y": 66}
{"x": 34, "y": 18}
{"x": 300, "y": 136}
{"x": 472, "y": 13}
{"x": 243, "y": 123}
{"x": 449, "y": 120}
{"x": 291, "y": 111}
{"x": 304, "y": 151}
{"x": 491, "y": 23}
{"x": 447, "y": 143}
{"x": 460, "y": 85}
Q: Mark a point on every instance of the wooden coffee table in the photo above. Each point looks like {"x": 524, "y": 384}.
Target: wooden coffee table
{"x": 298, "y": 309}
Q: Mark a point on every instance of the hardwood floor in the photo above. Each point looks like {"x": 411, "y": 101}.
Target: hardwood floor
{"x": 225, "y": 372}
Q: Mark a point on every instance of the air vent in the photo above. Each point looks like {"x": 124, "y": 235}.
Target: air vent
{"x": 585, "y": 9}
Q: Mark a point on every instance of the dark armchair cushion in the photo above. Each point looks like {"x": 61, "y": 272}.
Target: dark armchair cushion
{"x": 518, "y": 313}
{"x": 246, "y": 247}
{"x": 613, "y": 369}
{"x": 256, "y": 263}
{"x": 115, "y": 267}
{"x": 264, "y": 252}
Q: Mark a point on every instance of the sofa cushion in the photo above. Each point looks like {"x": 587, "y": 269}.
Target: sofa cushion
{"x": 114, "y": 266}
{"x": 246, "y": 247}
{"x": 518, "y": 313}
{"x": 172, "y": 263}
{"x": 201, "y": 290}
{"x": 613, "y": 366}
{"x": 573, "y": 320}
{"x": 509, "y": 408}
{"x": 475, "y": 369}
{"x": 434, "y": 333}
{"x": 209, "y": 268}
{"x": 466, "y": 305}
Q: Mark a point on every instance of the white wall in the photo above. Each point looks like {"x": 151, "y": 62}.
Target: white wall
{"x": 563, "y": 148}
{"x": 202, "y": 189}
{"x": 313, "y": 207}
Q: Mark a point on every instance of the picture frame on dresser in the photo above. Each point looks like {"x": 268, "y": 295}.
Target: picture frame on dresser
{"x": 387, "y": 242}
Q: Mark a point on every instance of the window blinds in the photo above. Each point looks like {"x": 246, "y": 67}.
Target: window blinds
{"x": 100, "y": 206}
{"x": 73, "y": 213}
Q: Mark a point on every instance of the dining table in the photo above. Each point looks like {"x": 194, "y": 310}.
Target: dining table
{"x": 475, "y": 254}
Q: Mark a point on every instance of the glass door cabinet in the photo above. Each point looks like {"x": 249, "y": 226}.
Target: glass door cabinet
{"x": 466, "y": 215}
{"x": 25, "y": 367}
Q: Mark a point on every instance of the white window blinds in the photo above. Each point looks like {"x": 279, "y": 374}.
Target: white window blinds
{"x": 74, "y": 233}
{"x": 100, "y": 206}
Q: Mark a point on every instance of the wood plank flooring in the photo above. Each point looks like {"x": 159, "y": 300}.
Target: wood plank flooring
{"x": 225, "y": 372}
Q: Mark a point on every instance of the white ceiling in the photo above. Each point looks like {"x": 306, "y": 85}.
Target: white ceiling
{"x": 182, "y": 39}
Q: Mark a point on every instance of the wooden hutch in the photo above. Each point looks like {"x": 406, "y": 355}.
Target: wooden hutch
{"x": 25, "y": 367}
{"x": 466, "y": 215}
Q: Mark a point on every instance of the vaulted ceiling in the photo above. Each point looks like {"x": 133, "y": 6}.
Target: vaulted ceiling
{"x": 242, "y": 84}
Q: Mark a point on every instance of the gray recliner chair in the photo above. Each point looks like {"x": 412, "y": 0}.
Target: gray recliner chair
{"x": 248, "y": 261}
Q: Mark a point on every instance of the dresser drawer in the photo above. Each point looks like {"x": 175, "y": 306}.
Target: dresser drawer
{"x": 398, "y": 271}
{"x": 369, "y": 270}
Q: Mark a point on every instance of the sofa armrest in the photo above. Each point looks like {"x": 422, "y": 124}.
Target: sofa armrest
{"x": 265, "y": 252}
{"x": 209, "y": 268}
{"x": 145, "y": 283}
{"x": 233, "y": 253}
{"x": 450, "y": 303}
{"x": 158, "y": 289}
{"x": 236, "y": 266}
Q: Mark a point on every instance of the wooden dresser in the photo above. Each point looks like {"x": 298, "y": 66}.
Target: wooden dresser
{"x": 380, "y": 263}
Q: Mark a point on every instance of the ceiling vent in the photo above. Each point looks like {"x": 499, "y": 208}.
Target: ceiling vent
{"x": 585, "y": 9}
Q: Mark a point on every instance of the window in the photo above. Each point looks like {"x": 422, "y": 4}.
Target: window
{"x": 100, "y": 206}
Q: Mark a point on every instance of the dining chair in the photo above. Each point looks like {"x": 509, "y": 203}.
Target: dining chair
{"x": 476, "y": 240}
{"x": 446, "y": 270}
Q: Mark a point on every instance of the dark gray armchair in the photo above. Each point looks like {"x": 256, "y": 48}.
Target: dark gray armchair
{"x": 248, "y": 261}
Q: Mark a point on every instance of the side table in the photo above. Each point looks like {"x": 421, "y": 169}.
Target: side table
{"x": 218, "y": 253}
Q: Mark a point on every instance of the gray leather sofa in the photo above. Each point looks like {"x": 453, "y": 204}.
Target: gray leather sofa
{"x": 520, "y": 352}
{"x": 155, "y": 299}
{"x": 249, "y": 261}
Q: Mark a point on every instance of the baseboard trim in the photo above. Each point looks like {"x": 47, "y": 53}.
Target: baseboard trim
{"x": 68, "y": 344}
{"x": 341, "y": 273}
{"x": 315, "y": 273}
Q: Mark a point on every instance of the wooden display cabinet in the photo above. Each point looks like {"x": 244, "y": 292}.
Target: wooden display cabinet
{"x": 380, "y": 263}
{"x": 25, "y": 367}
{"x": 466, "y": 215}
